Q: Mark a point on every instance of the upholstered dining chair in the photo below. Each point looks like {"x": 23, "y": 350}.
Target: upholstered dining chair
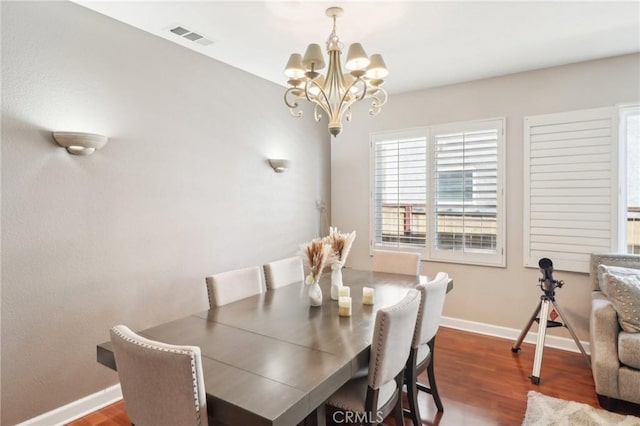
{"x": 423, "y": 344}
{"x": 227, "y": 287}
{"x": 280, "y": 273}
{"x": 162, "y": 384}
{"x": 368, "y": 400}
{"x": 396, "y": 262}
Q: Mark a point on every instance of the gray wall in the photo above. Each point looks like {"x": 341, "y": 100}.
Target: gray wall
{"x": 128, "y": 234}
{"x": 498, "y": 296}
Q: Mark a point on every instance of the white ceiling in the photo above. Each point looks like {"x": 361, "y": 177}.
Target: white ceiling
{"x": 425, "y": 44}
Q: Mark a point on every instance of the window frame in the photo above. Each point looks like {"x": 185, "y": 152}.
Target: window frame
{"x": 381, "y": 137}
{"x": 623, "y": 111}
{"x": 472, "y": 257}
{"x": 430, "y": 251}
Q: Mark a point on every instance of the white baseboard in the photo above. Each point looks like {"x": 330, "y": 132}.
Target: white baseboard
{"x": 564, "y": 343}
{"x": 93, "y": 402}
{"x": 76, "y": 409}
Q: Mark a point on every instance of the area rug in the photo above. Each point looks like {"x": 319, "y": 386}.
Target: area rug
{"x": 543, "y": 410}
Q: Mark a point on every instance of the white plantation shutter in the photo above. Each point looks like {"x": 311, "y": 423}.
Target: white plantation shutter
{"x": 399, "y": 189}
{"x": 467, "y": 192}
{"x": 439, "y": 190}
{"x": 570, "y": 193}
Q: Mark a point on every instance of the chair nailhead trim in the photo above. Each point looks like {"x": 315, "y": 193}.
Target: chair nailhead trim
{"x": 194, "y": 374}
{"x": 393, "y": 308}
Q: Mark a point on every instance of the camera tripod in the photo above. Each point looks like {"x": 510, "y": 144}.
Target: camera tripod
{"x": 547, "y": 284}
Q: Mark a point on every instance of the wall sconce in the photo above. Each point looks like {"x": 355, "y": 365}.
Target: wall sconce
{"x": 279, "y": 165}
{"x": 80, "y": 143}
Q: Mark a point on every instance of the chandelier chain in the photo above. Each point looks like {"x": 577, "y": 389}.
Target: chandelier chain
{"x": 333, "y": 41}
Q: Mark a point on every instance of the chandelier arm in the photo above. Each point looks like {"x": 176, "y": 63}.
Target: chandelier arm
{"x": 318, "y": 98}
{"x": 345, "y": 104}
{"x": 377, "y": 103}
{"x": 359, "y": 95}
{"x": 294, "y": 104}
{"x": 316, "y": 113}
{"x": 307, "y": 86}
{"x": 345, "y": 109}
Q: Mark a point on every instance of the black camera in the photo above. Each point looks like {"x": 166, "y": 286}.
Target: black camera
{"x": 547, "y": 283}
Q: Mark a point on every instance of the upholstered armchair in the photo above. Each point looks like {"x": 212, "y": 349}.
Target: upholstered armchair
{"x": 615, "y": 342}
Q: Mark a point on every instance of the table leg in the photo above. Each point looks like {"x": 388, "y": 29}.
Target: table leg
{"x": 315, "y": 418}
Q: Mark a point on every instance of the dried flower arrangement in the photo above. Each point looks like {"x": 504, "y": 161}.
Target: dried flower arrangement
{"x": 340, "y": 244}
{"x": 317, "y": 253}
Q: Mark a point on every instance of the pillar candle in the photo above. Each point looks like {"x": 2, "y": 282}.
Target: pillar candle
{"x": 344, "y": 291}
{"x": 367, "y": 296}
{"x": 344, "y": 306}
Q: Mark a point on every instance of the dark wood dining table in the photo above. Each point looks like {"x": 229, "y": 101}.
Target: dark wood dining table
{"x": 271, "y": 359}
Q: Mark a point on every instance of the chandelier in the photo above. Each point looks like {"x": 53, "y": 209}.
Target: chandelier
{"x": 335, "y": 92}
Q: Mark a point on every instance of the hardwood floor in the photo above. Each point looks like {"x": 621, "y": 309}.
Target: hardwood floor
{"x": 481, "y": 382}
{"x": 113, "y": 414}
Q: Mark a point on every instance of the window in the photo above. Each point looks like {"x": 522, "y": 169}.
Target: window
{"x": 630, "y": 149}
{"x": 400, "y": 161}
{"x": 468, "y": 192}
{"x": 439, "y": 190}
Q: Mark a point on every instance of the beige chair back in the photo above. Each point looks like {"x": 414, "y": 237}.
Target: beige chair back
{"x": 397, "y": 262}
{"x": 430, "y": 312}
{"x": 391, "y": 341}
{"x": 284, "y": 272}
{"x": 227, "y": 287}
{"x": 162, "y": 384}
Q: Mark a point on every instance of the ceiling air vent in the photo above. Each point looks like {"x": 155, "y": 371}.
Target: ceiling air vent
{"x": 183, "y": 32}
